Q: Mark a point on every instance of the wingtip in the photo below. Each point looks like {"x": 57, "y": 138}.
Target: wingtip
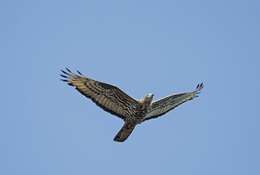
{"x": 64, "y": 72}
{"x": 79, "y": 72}
{"x": 64, "y": 80}
{"x": 68, "y": 70}
{"x": 199, "y": 87}
{"x": 63, "y": 76}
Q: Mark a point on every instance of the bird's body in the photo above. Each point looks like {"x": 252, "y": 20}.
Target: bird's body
{"x": 118, "y": 103}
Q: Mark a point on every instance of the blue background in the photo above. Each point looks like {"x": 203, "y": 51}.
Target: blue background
{"x": 47, "y": 128}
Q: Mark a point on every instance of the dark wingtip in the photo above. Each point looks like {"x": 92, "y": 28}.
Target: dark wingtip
{"x": 64, "y": 76}
{"x": 64, "y": 72}
{"x": 79, "y": 72}
{"x": 199, "y": 87}
{"x": 68, "y": 70}
{"x": 64, "y": 80}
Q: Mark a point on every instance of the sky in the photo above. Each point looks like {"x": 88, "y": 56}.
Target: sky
{"x": 163, "y": 47}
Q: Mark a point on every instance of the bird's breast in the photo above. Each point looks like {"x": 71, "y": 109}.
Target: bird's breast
{"x": 139, "y": 115}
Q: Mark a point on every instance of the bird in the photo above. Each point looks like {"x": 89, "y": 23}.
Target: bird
{"x": 115, "y": 101}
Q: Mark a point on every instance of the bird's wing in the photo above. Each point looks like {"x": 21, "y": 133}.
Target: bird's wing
{"x": 162, "y": 106}
{"x": 107, "y": 96}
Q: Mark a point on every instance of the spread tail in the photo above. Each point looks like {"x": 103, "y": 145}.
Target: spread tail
{"x": 124, "y": 132}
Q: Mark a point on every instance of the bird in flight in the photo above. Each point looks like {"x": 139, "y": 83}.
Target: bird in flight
{"x": 115, "y": 101}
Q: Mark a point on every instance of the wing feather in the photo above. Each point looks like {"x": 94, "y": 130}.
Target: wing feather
{"x": 162, "y": 106}
{"x": 108, "y": 97}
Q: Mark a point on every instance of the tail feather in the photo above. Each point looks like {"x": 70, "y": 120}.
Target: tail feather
{"x": 124, "y": 132}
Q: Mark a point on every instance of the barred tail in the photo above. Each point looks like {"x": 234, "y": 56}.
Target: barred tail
{"x": 124, "y": 132}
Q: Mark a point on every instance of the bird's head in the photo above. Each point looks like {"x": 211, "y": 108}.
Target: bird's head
{"x": 148, "y": 99}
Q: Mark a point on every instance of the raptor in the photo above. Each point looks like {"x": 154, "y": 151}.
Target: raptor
{"x": 130, "y": 110}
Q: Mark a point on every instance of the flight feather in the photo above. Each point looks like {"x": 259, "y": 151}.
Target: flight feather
{"x": 106, "y": 96}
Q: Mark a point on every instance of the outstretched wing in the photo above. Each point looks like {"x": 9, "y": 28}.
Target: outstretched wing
{"x": 160, "y": 107}
{"x": 107, "y": 96}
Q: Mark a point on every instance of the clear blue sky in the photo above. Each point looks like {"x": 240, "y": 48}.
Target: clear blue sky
{"x": 47, "y": 128}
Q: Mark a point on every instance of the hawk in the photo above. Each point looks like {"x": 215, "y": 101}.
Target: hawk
{"x": 115, "y": 101}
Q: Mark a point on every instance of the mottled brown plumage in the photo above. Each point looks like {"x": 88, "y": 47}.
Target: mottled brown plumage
{"x": 113, "y": 100}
